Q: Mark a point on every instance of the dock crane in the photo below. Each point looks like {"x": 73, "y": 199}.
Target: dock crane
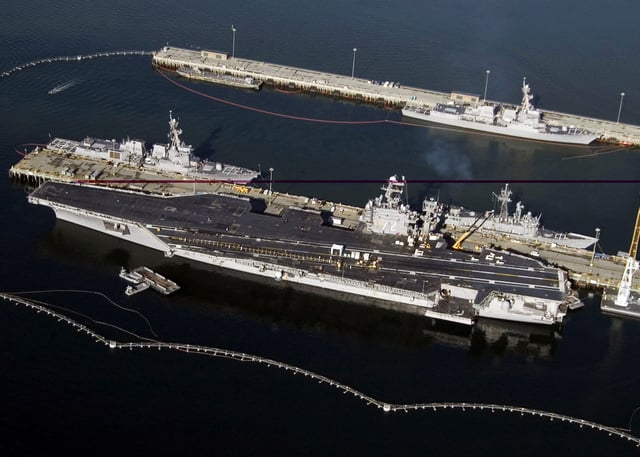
{"x": 471, "y": 230}
{"x": 624, "y": 289}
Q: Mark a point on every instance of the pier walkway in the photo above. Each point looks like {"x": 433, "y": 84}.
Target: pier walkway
{"x": 386, "y": 93}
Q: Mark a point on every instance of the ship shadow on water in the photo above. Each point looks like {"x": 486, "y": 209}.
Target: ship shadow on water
{"x": 209, "y": 291}
{"x": 205, "y": 149}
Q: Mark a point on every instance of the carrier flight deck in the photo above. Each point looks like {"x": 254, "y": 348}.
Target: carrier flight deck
{"x": 387, "y": 258}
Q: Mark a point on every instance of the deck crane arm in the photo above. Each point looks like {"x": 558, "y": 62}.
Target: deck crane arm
{"x": 633, "y": 249}
{"x": 472, "y": 228}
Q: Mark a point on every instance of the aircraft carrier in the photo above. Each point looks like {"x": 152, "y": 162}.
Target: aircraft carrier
{"x": 384, "y": 254}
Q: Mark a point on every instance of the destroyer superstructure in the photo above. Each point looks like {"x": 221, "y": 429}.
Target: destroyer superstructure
{"x": 326, "y": 247}
{"x": 523, "y": 121}
{"x": 175, "y": 156}
{"x": 519, "y": 225}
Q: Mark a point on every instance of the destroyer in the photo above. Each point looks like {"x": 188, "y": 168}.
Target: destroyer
{"x": 384, "y": 254}
{"x": 174, "y": 157}
{"x": 521, "y": 122}
{"x": 518, "y": 225}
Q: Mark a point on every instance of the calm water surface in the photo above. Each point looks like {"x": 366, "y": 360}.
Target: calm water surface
{"x": 60, "y": 391}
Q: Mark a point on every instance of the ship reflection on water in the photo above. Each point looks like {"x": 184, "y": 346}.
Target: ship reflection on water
{"x": 502, "y": 337}
{"x": 496, "y": 338}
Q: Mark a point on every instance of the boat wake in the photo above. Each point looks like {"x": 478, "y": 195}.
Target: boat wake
{"x": 64, "y": 86}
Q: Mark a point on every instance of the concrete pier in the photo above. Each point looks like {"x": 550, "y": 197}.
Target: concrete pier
{"x": 49, "y": 165}
{"x": 385, "y": 93}
{"x": 584, "y": 272}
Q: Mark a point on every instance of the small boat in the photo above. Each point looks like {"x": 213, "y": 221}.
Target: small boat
{"x": 156, "y": 281}
{"x": 63, "y": 86}
{"x": 141, "y": 278}
{"x": 131, "y": 276}
{"x": 131, "y": 290}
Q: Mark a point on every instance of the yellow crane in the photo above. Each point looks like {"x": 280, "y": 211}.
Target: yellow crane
{"x": 624, "y": 289}
{"x": 472, "y": 228}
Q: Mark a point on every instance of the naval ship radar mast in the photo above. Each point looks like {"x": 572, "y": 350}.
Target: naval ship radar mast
{"x": 175, "y": 141}
{"x": 504, "y": 199}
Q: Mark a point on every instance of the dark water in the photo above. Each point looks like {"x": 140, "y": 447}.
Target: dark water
{"x": 61, "y": 391}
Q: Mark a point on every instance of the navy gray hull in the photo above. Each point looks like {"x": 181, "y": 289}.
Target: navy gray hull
{"x": 404, "y": 268}
{"x": 523, "y": 121}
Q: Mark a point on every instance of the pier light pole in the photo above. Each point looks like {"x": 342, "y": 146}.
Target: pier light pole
{"x": 353, "y": 64}
{"x": 593, "y": 253}
{"x": 620, "y": 107}
{"x": 486, "y": 83}
{"x": 270, "y": 183}
{"x": 233, "y": 43}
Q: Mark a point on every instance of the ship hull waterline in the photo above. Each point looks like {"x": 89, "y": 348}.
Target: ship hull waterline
{"x": 507, "y": 131}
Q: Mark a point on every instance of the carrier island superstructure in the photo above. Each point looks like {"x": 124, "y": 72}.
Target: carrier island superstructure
{"x": 383, "y": 254}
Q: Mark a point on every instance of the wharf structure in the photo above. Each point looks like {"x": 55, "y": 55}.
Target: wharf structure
{"x": 42, "y": 165}
{"x": 390, "y": 94}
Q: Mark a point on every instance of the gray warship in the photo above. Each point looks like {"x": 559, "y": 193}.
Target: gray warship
{"x": 519, "y": 225}
{"x": 523, "y": 121}
{"x": 174, "y": 157}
